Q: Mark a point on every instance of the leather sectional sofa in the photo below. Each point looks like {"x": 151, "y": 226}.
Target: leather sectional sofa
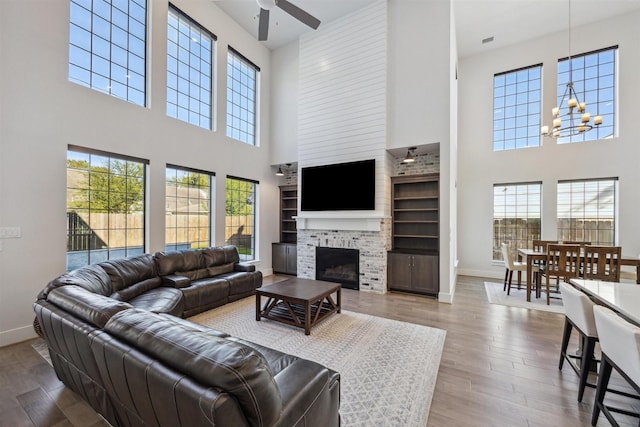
{"x": 116, "y": 337}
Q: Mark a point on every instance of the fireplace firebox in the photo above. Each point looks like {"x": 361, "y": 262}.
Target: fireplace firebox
{"x": 338, "y": 265}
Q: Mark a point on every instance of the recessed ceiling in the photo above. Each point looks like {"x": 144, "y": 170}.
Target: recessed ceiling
{"x": 508, "y": 21}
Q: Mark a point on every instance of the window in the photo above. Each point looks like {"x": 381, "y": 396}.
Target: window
{"x": 240, "y": 218}
{"x": 188, "y": 208}
{"x": 189, "y": 71}
{"x": 587, "y": 211}
{"x": 242, "y": 76}
{"x": 516, "y": 215}
{"x": 594, "y": 79}
{"x": 105, "y": 206}
{"x": 516, "y": 108}
{"x": 107, "y": 47}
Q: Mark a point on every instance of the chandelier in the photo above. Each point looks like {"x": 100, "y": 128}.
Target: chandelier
{"x": 572, "y": 119}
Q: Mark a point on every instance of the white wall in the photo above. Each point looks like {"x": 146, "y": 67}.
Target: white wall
{"x": 284, "y": 104}
{"x": 480, "y": 167}
{"x": 41, "y": 112}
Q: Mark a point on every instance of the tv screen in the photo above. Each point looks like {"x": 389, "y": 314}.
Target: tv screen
{"x": 339, "y": 187}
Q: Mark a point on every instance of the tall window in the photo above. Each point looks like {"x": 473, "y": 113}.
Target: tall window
{"x": 516, "y": 108}
{"x": 240, "y": 221}
{"x": 242, "y": 76}
{"x": 189, "y": 71}
{"x": 105, "y": 206}
{"x": 587, "y": 211}
{"x": 594, "y": 78}
{"x": 107, "y": 47}
{"x": 188, "y": 208}
{"x": 516, "y": 215}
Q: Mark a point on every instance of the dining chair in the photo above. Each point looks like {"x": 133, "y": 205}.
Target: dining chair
{"x": 563, "y": 263}
{"x": 619, "y": 343}
{"x": 511, "y": 266}
{"x": 602, "y": 263}
{"x": 578, "y": 309}
{"x": 629, "y": 273}
{"x": 574, "y": 242}
{"x": 541, "y": 245}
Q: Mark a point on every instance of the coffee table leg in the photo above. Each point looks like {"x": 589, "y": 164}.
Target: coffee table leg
{"x": 339, "y": 299}
{"x": 307, "y": 318}
{"x": 258, "y": 307}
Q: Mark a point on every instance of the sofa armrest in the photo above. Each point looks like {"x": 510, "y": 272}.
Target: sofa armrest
{"x": 175, "y": 281}
{"x": 243, "y": 266}
{"x": 311, "y": 392}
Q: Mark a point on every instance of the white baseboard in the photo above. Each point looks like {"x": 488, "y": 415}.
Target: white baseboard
{"x": 14, "y": 336}
{"x": 491, "y": 274}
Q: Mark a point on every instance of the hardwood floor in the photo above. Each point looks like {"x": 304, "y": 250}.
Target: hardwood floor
{"x": 499, "y": 367}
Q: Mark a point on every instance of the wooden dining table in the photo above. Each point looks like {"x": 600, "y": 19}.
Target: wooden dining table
{"x": 532, "y": 256}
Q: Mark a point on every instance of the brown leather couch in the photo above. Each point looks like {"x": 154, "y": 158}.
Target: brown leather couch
{"x": 138, "y": 364}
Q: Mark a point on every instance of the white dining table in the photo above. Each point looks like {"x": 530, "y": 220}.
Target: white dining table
{"x": 623, "y": 298}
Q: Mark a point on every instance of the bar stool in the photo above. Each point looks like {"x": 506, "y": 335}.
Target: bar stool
{"x": 619, "y": 342}
{"x": 578, "y": 309}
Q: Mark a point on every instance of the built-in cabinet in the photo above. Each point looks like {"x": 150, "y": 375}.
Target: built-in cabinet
{"x": 285, "y": 258}
{"x": 412, "y": 264}
{"x": 285, "y": 253}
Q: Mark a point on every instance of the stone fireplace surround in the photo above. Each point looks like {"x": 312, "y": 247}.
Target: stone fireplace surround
{"x": 370, "y": 235}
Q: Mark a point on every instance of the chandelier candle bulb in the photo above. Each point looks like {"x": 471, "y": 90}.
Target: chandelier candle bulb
{"x": 572, "y": 103}
{"x": 586, "y": 117}
{"x": 544, "y": 130}
{"x": 597, "y": 120}
{"x": 557, "y": 123}
{"x": 555, "y": 111}
{"x": 582, "y": 107}
{"x": 581, "y": 128}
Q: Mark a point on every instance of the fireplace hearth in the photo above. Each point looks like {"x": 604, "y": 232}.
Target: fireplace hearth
{"x": 338, "y": 265}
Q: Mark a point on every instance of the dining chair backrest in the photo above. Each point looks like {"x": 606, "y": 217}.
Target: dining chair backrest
{"x": 619, "y": 340}
{"x": 507, "y": 256}
{"x": 541, "y": 245}
{"x": 602, "y": 263}
{"x": 578, "y": 307}
{"x": 575, "y": 242}
{"x": 563, "y": 261}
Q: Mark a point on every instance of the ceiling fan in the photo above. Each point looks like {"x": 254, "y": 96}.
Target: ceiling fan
{"x": 291, "y": 9}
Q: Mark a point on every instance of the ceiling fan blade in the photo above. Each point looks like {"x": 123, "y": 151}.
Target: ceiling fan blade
{"x": 298, "y": 13}
{"x": 263, "y": 26}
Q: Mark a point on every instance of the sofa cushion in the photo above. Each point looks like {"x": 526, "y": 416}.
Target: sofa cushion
{"x": 136, "y": 289}
{"x": 209, "y": 359}
{"x": 220, "y": 269}
{"x": 205, "y": 292}
{"x": 91, "y": 277}
{"x": 242, "y": 283}
{"x": 160, "y": 300}
{"x": 213, "y": 257}
{"x": 86, "y": 305}
{"x": 124, "y": 272}
{"x": 168, "y": 262}
{"x": 199, "y": 273}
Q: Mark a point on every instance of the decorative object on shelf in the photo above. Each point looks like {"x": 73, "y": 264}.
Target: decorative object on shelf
{"x": 409, "y": 157}
{"x": 573, "y": 118}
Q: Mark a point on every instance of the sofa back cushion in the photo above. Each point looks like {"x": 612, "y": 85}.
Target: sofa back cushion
{"x": 209, "y": 359}
{"x": 91, "y": 277}
{"x": 178, "y": 262}
{"x": 92, "y": 308}
{"x": 220, "y": 260}
{"x": 125, "y": 272}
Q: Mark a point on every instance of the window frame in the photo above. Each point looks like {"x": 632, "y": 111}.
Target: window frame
{"x": 235, "y": 99}
{"x": 209, "y": 220}
{"x": 103, "y": 55}
{"x": 573, "y": 70}
{"x": 93, "y": 207}
{"x": 181, "y": 89}
{"x": 524, "y": 97}
{"x": 237, "y": 226}
{"x": 582, "y": 233}
{"x": 500, "y": 233}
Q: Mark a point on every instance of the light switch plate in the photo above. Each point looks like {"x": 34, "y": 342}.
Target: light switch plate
{"x": 9, "y": 232}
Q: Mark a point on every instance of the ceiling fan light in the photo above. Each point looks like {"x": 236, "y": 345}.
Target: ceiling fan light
{"x": 267, "y": 4}
{"x": 279, "y": 172}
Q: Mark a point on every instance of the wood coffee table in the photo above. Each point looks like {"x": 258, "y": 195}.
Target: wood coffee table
{"x": 298, "y": 302}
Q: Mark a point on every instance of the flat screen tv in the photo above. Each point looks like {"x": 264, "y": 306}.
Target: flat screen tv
{"x": 339, "y": 187}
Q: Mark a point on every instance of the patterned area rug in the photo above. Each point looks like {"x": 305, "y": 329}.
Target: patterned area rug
{"x": 518, "y": 298}
{"x": 387, "y": 368}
